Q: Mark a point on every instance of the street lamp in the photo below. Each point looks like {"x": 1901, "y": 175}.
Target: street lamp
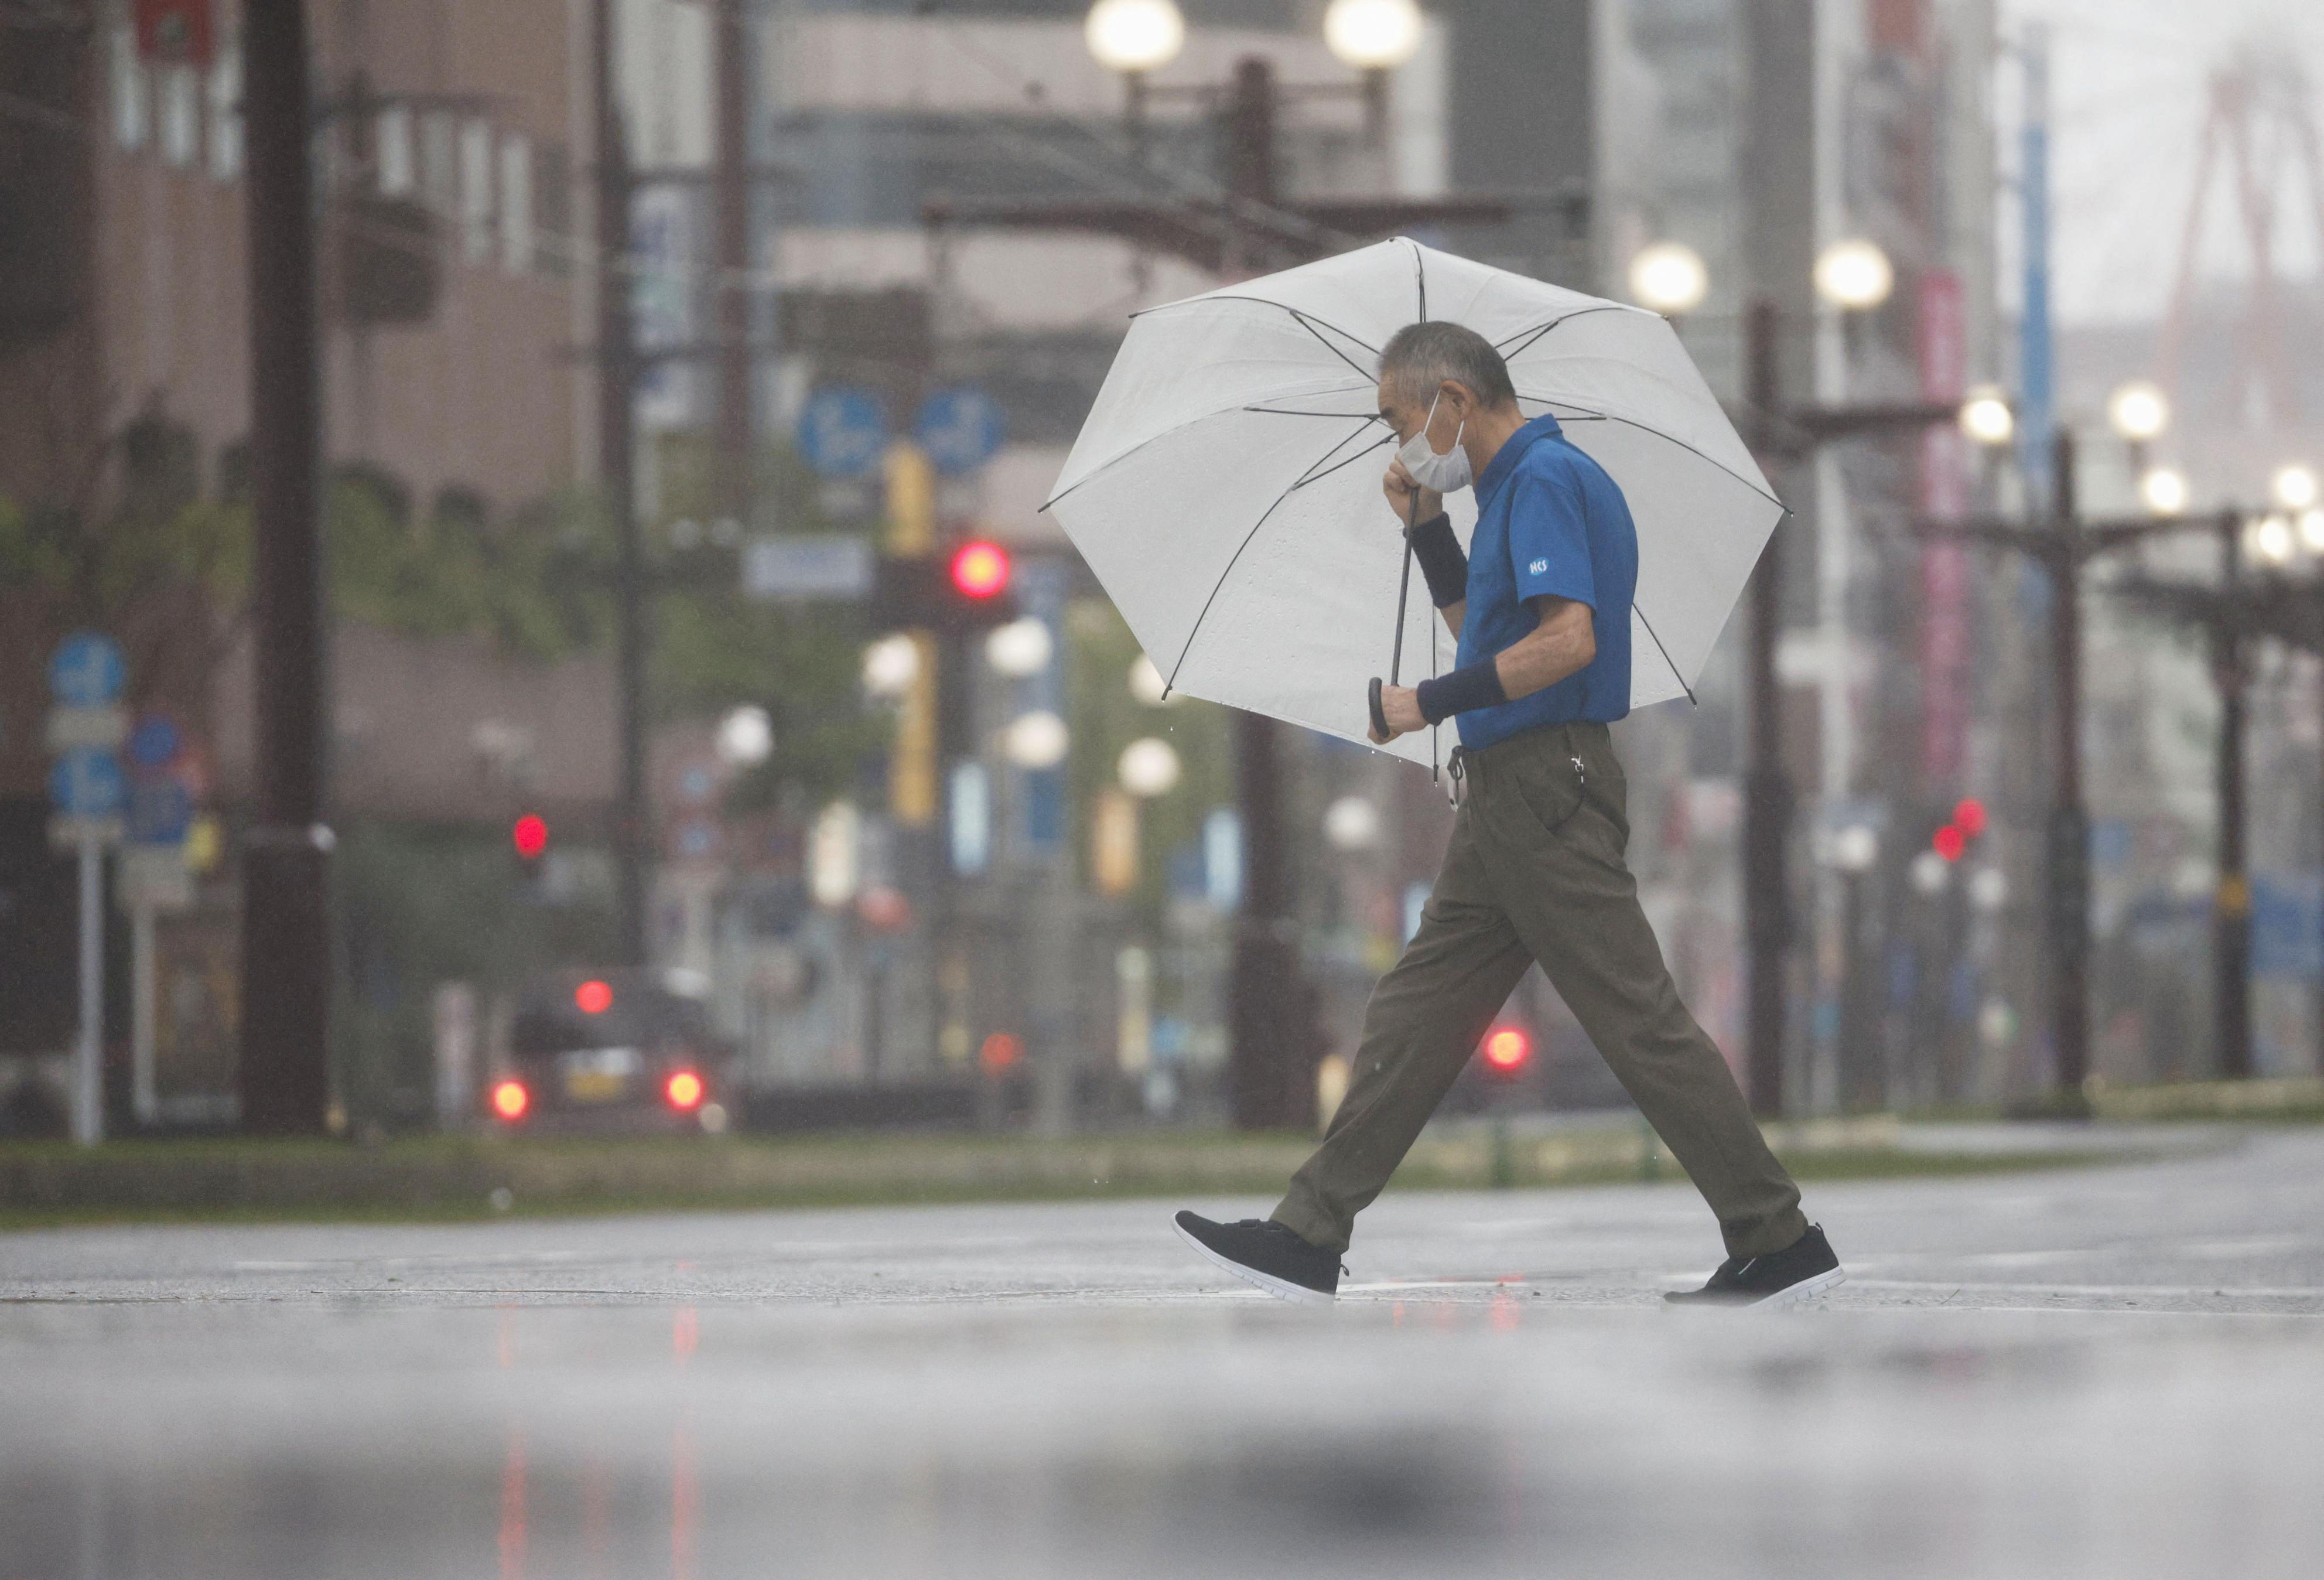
{"x": 1034, "y": 740}
{"x": 1134, "y": 37}
{"x": 2163, "y": 491}
{"x": 2311, "y": 531}
{"x": 1669, "y": 278}
{"x": 1351, "y": 824}
{"x": 1854, "y": 275}
{"x": 746, "y": 737}
{"x": 1373, "y": 35}
{"x": 2271, "y": 541}
{"x": 2139, "y": 411}
{"x": 2295, "y": 489}
{"x": 890, "y": 665}
{"x": 1148, "y": 768}
{"x": 1021, "y": 648}
{"x": 1986, "y": 417}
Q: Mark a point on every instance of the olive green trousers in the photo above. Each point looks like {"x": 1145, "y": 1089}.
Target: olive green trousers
{"x": 1535, "y": 872}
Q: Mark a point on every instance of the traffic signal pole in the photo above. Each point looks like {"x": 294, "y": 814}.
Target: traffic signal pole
{"x": 617, "y": 478}
{"x": 732, "y": 206}
{"x": 1767, "y": 800}
{"x": 281, "y": 1079}
{"x": 2069, "y": 821}
{"x": 2231, "y": 908}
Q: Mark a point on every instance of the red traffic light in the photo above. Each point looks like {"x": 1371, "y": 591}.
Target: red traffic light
{"x": 1949, "y": 842}
{"x": 594, "y": 997}
{"x": 683, "y": 1089}
{"x": 1506, "y": 1048}
{"x": 510, "y": 1100}
{"x": 980, "y": 569}
{"x": 1000, "y": 1053}
{"x": 530, "y": 835}
{"x": 1968, "y": 817}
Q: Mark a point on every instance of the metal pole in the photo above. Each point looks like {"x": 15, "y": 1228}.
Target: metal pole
{"x": 734, "y": 261}
{"x": 2231, "y": 913}
{"x": 617, "y": 378}
{"x": 142, "y": 1100}
{"x": 2070, "y": 830}
{"x": 1767, "y": 791}
{"x": 283, "y": 1078}
{"x": 2037, "y": 397}
{"x": 1270, "y": 1059}
{"x": 88, "y": 1047}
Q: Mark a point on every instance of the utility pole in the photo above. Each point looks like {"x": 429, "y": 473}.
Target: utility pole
{"x": 2231, "y": 908}
{"x": 283, "y": 1078}
{"x": 2069, "y": 819}
{"x": 617, "y": 478}
{"x": 732, "y": 204}
{"x": 1767, "y": 797}
{"x": 1271, "y": 1012}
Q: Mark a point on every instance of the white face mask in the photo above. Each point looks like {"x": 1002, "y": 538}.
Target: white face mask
{"x": 1446, "y": 474}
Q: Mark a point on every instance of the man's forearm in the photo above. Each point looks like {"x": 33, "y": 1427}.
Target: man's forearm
{"x": 1560, "y": 646}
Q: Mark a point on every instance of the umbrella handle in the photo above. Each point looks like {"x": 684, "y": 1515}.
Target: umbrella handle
{"x": 1379, "y": 714}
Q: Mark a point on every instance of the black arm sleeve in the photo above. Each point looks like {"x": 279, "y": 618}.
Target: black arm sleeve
{"x": 1464, "y": 690}
{"x": 1442, "y": 562}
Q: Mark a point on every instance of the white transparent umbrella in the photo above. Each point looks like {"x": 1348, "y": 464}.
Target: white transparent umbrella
{"x": 1225, "y": 487}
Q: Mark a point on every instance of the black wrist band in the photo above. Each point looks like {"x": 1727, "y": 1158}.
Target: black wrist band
{"x": 1442, "y": 562}
{"x": 1464, "y": 690}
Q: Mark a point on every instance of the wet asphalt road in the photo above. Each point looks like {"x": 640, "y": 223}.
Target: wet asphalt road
{"x": 2115, "y": 1372}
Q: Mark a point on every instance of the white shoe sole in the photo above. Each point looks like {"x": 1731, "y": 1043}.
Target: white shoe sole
{"x": 1281, "y": 1288}
{"x": 1790, "y": 1296}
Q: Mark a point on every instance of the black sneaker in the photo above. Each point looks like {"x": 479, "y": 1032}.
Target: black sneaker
{"x": 1806, "y": 1267}
{"x": 1266, "y": 1253}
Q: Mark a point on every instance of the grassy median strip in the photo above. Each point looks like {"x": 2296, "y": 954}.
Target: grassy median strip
{"x": 451, "y": 1178}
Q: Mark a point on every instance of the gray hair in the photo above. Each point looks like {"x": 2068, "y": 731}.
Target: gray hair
{"x": 1420, "y": 357}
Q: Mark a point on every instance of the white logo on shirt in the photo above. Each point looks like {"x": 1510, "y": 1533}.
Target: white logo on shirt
{"x": 1538, "y": 567}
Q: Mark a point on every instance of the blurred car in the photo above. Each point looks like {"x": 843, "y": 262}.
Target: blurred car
{"x": 620, "y": 1050}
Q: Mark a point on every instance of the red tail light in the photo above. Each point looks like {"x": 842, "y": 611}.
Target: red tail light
{"x": 511, "y": 1101}
{"x": 683, "y": 1089}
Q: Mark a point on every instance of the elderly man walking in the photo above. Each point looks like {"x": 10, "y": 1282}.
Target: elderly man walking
{"x": 1533, "y": 871}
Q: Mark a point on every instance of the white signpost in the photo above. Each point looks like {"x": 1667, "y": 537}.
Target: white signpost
{"x": 87, "y": 794}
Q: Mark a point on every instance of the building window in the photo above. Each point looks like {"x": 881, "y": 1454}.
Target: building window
{"x": 476, "y": 191}
{"x": 516, "y": 204}
{"x": 132, "y": 92}
{"x": 181, "y": 113}
{"x": 226, "y": 111}
{"x": 553, "y": 210}
{"x": 390, "y": 133}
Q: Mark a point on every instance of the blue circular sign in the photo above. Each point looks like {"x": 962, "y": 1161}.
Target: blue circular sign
{"x": 87, "y": 671}
{"x": 844, "y": 432}
{"x": 160, "y": 813}
{"x": 87, "y": 782}
{"x": 960, "y": 429}
{"x": 155, "y": 743}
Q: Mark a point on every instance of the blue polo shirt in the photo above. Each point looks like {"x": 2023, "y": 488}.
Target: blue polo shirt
{"x": 1549, "y": 521}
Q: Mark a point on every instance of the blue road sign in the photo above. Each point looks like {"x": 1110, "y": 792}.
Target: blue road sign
{"x": 155, "y": 743}
{"x": 160, "y": 811}
{"x": 87, "y": 782}
{"x": 844, "y": 432}
{"x": 87, "y": 671}
{"x": 960, "y": 428}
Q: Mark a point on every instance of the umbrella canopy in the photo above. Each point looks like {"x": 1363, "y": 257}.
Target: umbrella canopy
{"x": 1226, "y": 486}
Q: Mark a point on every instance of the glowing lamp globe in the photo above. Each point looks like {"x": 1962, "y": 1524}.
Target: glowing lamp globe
{"x": 1987, "y": 419}
{"x": 1854, "y": 274}
{"x": 890, "y": 665}
{"x": 2295, "y": 487}
{"x": 1149, "y": 768}
{"x": 2139, "y": 411}
{"x": 1020, "y": 649}
{"x": 1134, "y": 35}
{"x": 1669, "y": 278}
{"x": 2164, "y": 491}
{"x": 1034, "y": 740}
{"x": 1373, "y": 35}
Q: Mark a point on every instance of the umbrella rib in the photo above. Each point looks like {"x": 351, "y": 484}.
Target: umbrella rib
{"x": 1263, "y": 302}
{"x": 1195, "y": 630}
{"x": 1714, "y": 461}
{"x": 1580, "y": 312}
{"x": 1659, "y": 648}
{"x": 1315, "y": 476}
{"x": 1420, "y": 272}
